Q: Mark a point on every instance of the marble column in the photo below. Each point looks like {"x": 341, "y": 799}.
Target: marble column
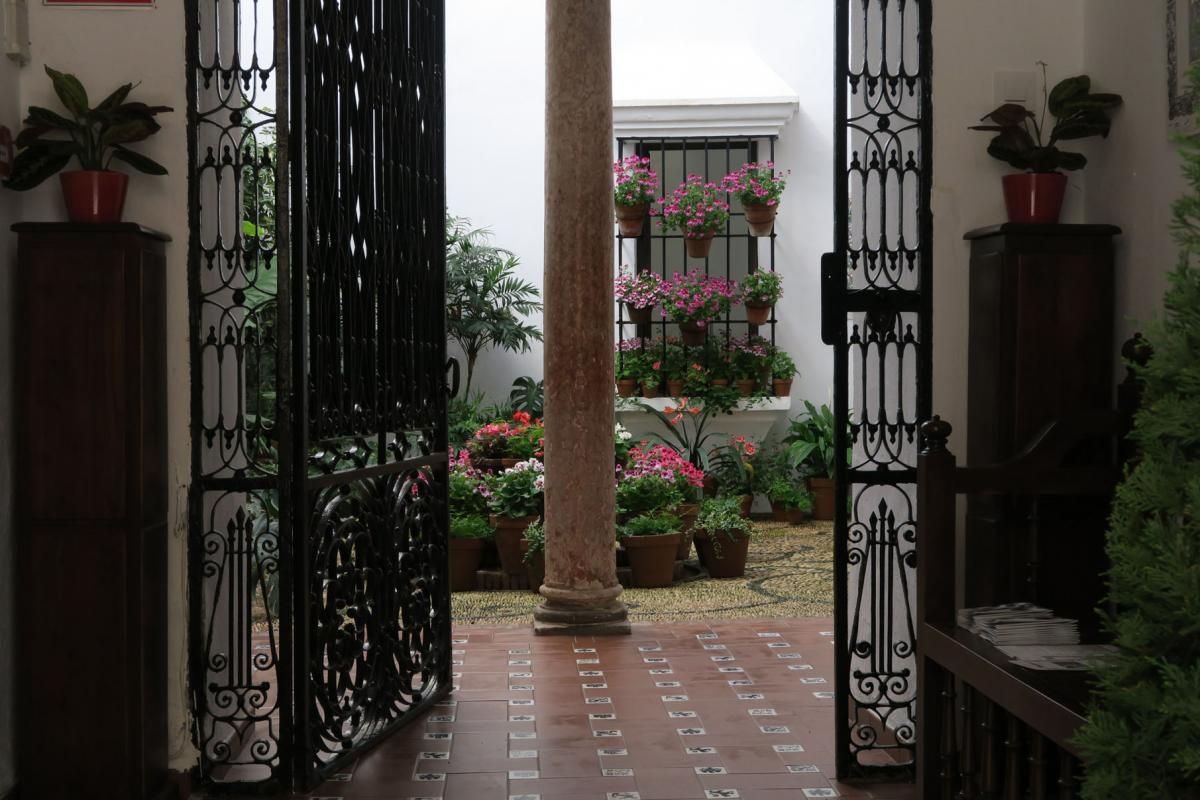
{"x": 581, "y": 594}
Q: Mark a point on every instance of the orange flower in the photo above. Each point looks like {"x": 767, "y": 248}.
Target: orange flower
{"x": 750, "y": 449}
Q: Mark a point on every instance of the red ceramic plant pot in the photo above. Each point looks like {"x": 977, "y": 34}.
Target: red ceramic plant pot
{"x": 1034, "y": 197}
{"x": 93, "y": 196}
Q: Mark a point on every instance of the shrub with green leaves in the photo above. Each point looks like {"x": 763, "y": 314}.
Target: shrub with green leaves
{"x": 761, "y": 288}
{"x": 465, "y": 497}
{"x": 1142, "y": 738}
{"x": 783, "y": 368}
{"x": 721, "y": 517}
{"x": 658, "y": 524}
{"x": 517, "y": 492}
{"x": 472, "y": 526}
{"x": 787, "y": 494}
{"x": 535, "y": 538}
{"x": 646, "y": 494}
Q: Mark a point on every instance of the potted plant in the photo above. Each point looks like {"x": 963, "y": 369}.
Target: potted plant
{"x": 810, "y": 441}
{"x": 631, "y": 366}
{"x": 783, "y": 371}
{"x": 730, "y": 464}
{"x": 94, "y": 137}
{"x": 1022, "y": 141}
{"x": 759, "y": 292}
{"x": 722, "y": 537}
{"x": 533, "y": 555}
{"x": 650, "y": 540}
{"x": 790, "y": 503}
{"x": 693, "y": 300}
{"x": 672, "y": 368}
{"x": 697, "y": 210}
{"x": 759, "y": 189}
{"x": 750, "y": 359}
{"x": 636, "y": 182}
{"x": 645, "y": 492}
{"x": 640, "y": 293}
{"x": 688, "y": 479}
{"x": 468, "y": 535}
{"x": 516, "y": 503}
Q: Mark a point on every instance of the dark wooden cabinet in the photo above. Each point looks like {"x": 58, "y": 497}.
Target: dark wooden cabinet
{"x": 91, "y": 511}
{"x": 1041, "y": 347}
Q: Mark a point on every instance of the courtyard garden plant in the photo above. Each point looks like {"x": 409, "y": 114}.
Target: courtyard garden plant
{"x": 533, "y": 555}
{"x": 469, "y": 535}
{"x": 1142, "y": 736}
{"x": 693, "y": 300}
{"x": 810, "y": 439}
{"x": 697, "y": 210}
{"x": 632, "y": 367}
{"x": 750, "y": 360}
{"x": 516, "y": 501}
{"x": 783, "y": 372}
{"x": 688, "y": 480}
{"x": 486, "y": 303}
{"x": 759, "y": 188}
{"x": 640, "y": 292}
{"x": 790, "y": 501}
{"x": 94, "y": 137}
{"x": 651, "y": 541}
{"x": 759, "y": 292}
{"x": 1023, "y": 141}
{"x": 733, "y": 467}
{"x": 501, "y": 444}
{"x": 633, "y": 193}
{"x": 722, "y": 537}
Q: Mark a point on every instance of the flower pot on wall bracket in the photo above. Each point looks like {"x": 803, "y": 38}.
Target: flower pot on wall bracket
{"x": 1034, "y": 197}
{"x": 94, "y": 196}
{"x": 639, "y": 316}
{"x": 626, "y": 387}
{"x": 693, "y": 333}
{"x": 757, "y": 314}
{"x": 760, "y": 218}
{"x": 649, "y": 389}
{"x": 699, "y": 246}
{"x": 674, "y": 388}
{"x": 630, "y": 219}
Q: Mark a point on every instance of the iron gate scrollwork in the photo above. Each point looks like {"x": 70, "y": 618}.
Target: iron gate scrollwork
{"x": 319, "y": 604}
{"x": 877, "y": 312}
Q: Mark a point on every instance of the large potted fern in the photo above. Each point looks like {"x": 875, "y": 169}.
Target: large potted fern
{"x": 1023, "y": 140}
{"x": 95, "y": 137}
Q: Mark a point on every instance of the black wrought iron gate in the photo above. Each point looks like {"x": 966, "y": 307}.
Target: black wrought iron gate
{"x": 876, "y": 314}
{"x": 318, "y": 596}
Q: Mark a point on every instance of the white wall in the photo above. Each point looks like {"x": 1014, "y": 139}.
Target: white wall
{"x": 105, "y": 48}
{"x": 495, "y": 97}
{"x": 1135, "y": 175}
{"x": 10, "y": 116}
{"x": 971, "y": 40}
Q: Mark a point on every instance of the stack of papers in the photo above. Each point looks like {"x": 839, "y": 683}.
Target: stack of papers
{"x": 1019, "y": 624}
{"x": 1071, "y": 658}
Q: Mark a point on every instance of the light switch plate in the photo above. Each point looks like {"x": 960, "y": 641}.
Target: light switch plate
{"x": 1015, "y": 86}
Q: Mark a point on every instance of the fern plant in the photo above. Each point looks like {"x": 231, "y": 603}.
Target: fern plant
{"x": 1142, "y": 739}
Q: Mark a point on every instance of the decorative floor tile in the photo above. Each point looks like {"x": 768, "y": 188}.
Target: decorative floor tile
{"x": 774, "y": 729}
{"x": 595, "y": 686}
{"x": 522, "y": 753}
{"x": 519, "y": 662}
{"x": 649, "y": 649}
{"x": 668, "y": 684}
{"x": 662, "y": 672}
{"x": 612, "y": 752}
{"x": 585, "y": 649}
{"x": 438, "y": 737}
{"x": 602, "y": 716}
{"x": 524, "y": 797}
{"x": 690, "y": 731}
{"x": 522, "y": 735}
{"x": 591, "y": 673}
{"x": 823, "y": 695}
{"x": 763, "y": 712}
{"x": 788, "y": 748}
{"x": 617, "y": 772}
{"x": 624, "y": 796}
{"x": 717, "y": 794}
{"x": 715, "y": 647}
{"x": 769, "y": 635}
{"x": 751, "y": 696}
{"x": 607, "y": 734}
{"x": 812, "y": 680}
{"x": 681, "y": 715}
{"x": 800, "y": 769}
{"x": 654, "y": 660}
{"x": 520, "y": 674}
{"x": 722, "y": 658}
{"x": 741, "y": 682}
{"x": 523, "y": 774}
{"x": 429, "y": 777}
{"x": 520, "y": 702}
{"x": 587, "y": 661}
{"x": 674, "y": 698}
{"x": 432, "y": 755}
{"x": 789, "y": 656}
{"x": 524, "y": 687}
{"x": 703, "y": 636}
{"x": 728, "y": 670}
{"x": 597, "y": 701}
{"x": 521, "y": 718}
{"x": 820, "y": 793}
{"x": 799, "y": 667}
{"x": 700, "y": 751}
{"x": 711, "y": 771}
{"x": 775, "y": 645}
{"x": 442, "y": 718}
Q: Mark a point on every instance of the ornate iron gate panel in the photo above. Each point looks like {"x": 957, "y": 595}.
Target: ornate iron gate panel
{"x": 876, "y": 306}
{"x": 319, "y": 598}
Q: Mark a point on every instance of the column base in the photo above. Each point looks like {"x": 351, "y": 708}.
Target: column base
{"x": 555, "y": 617}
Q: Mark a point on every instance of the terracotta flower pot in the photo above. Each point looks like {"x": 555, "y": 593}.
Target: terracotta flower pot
{"x": 791, "y": 516}
{"x": 675, "y": 388}
{"x": 639, "y": 316}
{"x": 693, "y": 333}
{"x": 760, "y": 218}
{"x": 757, "y": 314}
{"x": 747, "y": 501}
{"x": 688, "y": 513}
{"x": 1034, "y": 197}
{"x": 510, "y": 532}
{"x": 535, "y": 568}
{"x": 630, "y": 219}
{"x": 824, "y": 502}
{"x": 649, "y": 389}
{"x": 626, "y": 387}
{"x": 465, "y": 557}
{"x": 94, "y": 196}
{"x": 699, "y": 246}
{"x": 710, "y": 486}
{"x": 783, "y": 388}
{"x": 652, "y": 559}
{"x": 719, "y": 381}
{"x": 746, "y": 387}
{"x": 727, "y": 559}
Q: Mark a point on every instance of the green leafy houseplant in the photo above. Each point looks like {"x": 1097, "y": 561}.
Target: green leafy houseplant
{"x": 93, "y": 136}
{"x": 528, "y": 395}
{"x": 1142, "y": 736}
{"x": 658, "y": 524}
{"x": 472, "y": 526}
{"x": 810, "y": 440}
{"x": 783, "y": 368}
{"x": 485, "y": 300}
{"x": 732, "y": 467}
{"x": 535, "y": 542}
{"x": 646, "y": 494}
{"x": 721, "y": 517}
{"x": 517, "y": 492}
{"x": 761, "y": 288}
{"x": 1022, "y": 139}
{"x": 787, "y": 494}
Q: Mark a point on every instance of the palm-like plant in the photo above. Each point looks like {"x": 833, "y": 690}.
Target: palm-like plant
{"x": 485, "y": 301}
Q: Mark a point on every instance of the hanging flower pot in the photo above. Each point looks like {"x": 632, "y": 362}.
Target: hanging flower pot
{"x": 1034, "y": 197}
{"x": 630, "y": 219}
{"x": 758, "y": 313}
{"x": 626, "y": 387}
{"x": 693, "y": 333}
{"x": 700, "y": 245}
{"x": 639, "y": 316}
{"x": 760, "y": 217}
